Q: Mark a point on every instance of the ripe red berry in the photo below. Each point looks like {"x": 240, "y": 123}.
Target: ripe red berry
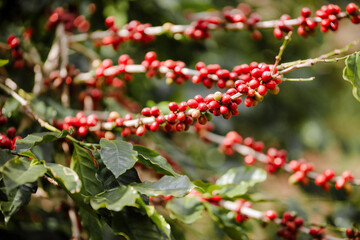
{"x": 350, "y": 233}
{"x": 140, "y": 131}
{"x": 182, "y": 106}
{"x": 171, "y": 117}
{"x": 351, "y": 8}
{"x": 11, "y": 132}
{"x": 160, "y": 119}
{"x": 150, "y": 56}
{"x": 180, "y": 127}
{"x": 249, "y": 159}
{"x": 305, "y": 12}
{"x": 320, "y": 180}
{"x": 3, "y": 120}
{"x": 155, "y": 111}
{"x": 254, "y": 83}
{"x": 109, "y": 21}
{"x": 173, "y": 106}
{"x": 82, "y": 131}
{"x": 278, "y": 33}
{"x": 213, "y": 105}
{"x": 6, "y": 143}
{"x": 146, "y": 112}
{"x": 340, "y": 183}
{"x": 154, "y": 126}
{"x": 192, "y": 103}
{"x": 329, "y": 174}
{"x": 270, "y": 214}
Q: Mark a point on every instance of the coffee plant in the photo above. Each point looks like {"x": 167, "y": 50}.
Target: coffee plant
{"x": 106, "y": 134}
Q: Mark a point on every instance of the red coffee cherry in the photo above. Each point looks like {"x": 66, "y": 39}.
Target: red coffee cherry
{"x": 109, "y": 21}
{"x": 82, "y": 131}
{"x": 351, "y": 8}
{"x": 270, "y": 214}
{"x": 249, "y": 159}
{"x": 173, "y": 106}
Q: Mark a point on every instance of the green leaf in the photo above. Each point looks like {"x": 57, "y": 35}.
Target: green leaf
{"x": 11, "y": 106}
{"x": 35, "y": 139}
{"x": 187, "y": 209}
{"x": 351, "y": 73}
{"x": 154, "y": 160}
{"x": 5, "y": 155}
{"x": 167, "y": 185}
{"x": 19, "y": 171}
{"x": 136, "y": 225}
{"x": 86, "y": 170}
{"x": 251, "y": 175}
{"x": 3, "y": 62}
{"x": 91, "y": 223}
{"x": 28, "y": 154}
{"x": 157, "y": 218}
{"x": 16, "y": 199}
{"x": 115, "y": 199}
{"x": 234, "y": 191}
{"x": 118, "y": 156}
{"x": 65, "y": 176}
{"x": 226, "y": 220}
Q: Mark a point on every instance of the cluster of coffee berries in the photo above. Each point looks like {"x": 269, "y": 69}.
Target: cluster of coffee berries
{"x": 324, "y": 178}
{"x": 70, "y": 20}
{"x": 179, "y": 119}
{"x": 352, "y": 234}
{"x": 175, "y": 73}
{"x": 55, "y": 80}
{"x": 353, "y": 10}
{"x": 7, "y": 141}
{"x": 80, "y": 123}
{"x": 223, "y": 76}
{"x": 199, "y": 29}
{"x": 243, "y": 14}
{"x": 238, "y": 14}
{"x": 254, "y": 81}
{"x": 228, "y": 142}
{"x": 151, "y": 64}
{"x": 17, "y": 54}
{"x": 290, "y": 225}
{"x": 300, "y": 168}
{"x": 328, "y": 15}
{"x": 115, "y": 117}
{"x": 317, "y": 233}
{"x": 239, "y": 217}
{"x": 135, "y": 31}
{"x": 106, "y": 69}
{"x": 307, "y": 25}
{"x": 233, "y": 137}
{"x": 345, "y": 177}
{"x": 281, "y": 28}
{"x": 275, "y": 159}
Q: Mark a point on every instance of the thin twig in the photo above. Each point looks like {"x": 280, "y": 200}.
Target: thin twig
{"x": 158, "y": 30}
{"x": 233, "y": 206}
{"x": 261, "y": 157}
{"x": 42, "y": 122}
{"x": 281, "y": 51}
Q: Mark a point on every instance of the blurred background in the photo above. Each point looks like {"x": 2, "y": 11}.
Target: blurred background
{"x": 316, "y": 120}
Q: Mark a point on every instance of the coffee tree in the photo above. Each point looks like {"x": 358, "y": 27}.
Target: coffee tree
{"x": 94, "y": 147}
